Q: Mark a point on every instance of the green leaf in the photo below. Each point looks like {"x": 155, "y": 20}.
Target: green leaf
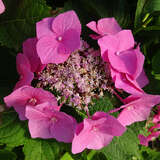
{"x": 152, "y": 6}
{"x": 104, "y": 104}
{"x": 124, "y": 147}
{"x": 156, "y": 63}
{"x": 138, "y": 14}
{"x": 18, "y": 21}
{"x": 66, "y": 156}
{"x": 7, "y": 155}
{"x": 12, "y": 130}
{"x": 38, "y": 149}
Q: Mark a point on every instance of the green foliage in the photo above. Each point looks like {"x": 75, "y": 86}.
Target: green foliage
{"x": 7, "y": 155}
{"x": 18, "y": 21}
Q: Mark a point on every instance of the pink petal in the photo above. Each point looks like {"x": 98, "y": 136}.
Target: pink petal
{"x": 2, "y": 7}
{"x": 26, "y": 78}
{"x": 122, "y": 81}
{"x": 66, "y": 21}
{"x": 142, "y": 79}
{"x": 63, "y": 128}
{"x": 71, "y": 41}
{"x": 22, "y": 60}
{"x": 108, "y": 26}
{"x": 123, "y": 40}
{"x": 93, "y": 26}
{"x": 20, "y": 98}
{"x": 96, "y": 133}
{"x": 139, "y": 109}
{"x": 43, "y": 27}
{"x": 143, "y": 140}
{"x": 125, "y": 62}
{"x": 29, "y": 50}
{"x": 110, "y": 126}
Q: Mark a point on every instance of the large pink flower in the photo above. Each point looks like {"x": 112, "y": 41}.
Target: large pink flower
{"x": 30, "y": 96}
{"x": 97, "y": 132}
{"x": 2, "y": 7}
{"x": 105, "y": 26}
{"x": 137, "y": 108}
{"x": 24, "y": 70}
{"x": 58, "y": 37}
{"x": 47, "y": 123}
{"x": 29, "y": 50}
{"x": 126, "y": 63}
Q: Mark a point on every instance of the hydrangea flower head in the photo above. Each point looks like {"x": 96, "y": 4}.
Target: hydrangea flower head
{"x": 2, "y": 7}
{"x": 97, "y": 132}
{"x": 29, "y": 96}
{"x": 47, "y": 123}
{"x": 58, "y": 37}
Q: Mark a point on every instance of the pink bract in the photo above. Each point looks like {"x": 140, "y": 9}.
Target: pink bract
{"x": 30, "y": 96}
{"x": 24, "y": 70}
{"x": 29, "y": 50}
{"x": 138, "y": 108}
{"x": 58, "y": 37}
{"x": 47, "y": 123}
{"x": 105, "y": 26}
{"x": 97, "y": 132}
{"x": 2, "y": 7}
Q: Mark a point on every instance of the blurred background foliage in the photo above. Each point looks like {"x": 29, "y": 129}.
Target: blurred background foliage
{"x": 17, "y": 23}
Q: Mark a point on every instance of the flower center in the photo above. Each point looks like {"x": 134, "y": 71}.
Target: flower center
{"x": 59, "y": 38}
{"x": 94, "y": 129}
{"x": 54, "y": 119}
{"x": 117, "y": 53}
{"x": 32, "y": 101}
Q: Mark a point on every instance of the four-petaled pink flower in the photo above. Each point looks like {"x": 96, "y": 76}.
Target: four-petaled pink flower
{"x": 58, "y": 37}
{"x": 105, "y": 26}
{"x": 137, "y": 108}
{"x": 24, "y": 70}
{"x": 29, "y": 96}
{"x": 47, "y": 123}
{"x": 97, "y": 132}
{"x": 2, "y": 7}
{"x": 126, "y": 63}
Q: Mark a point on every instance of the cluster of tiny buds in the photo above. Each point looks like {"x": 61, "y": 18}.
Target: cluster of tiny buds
{"x": 77, "y": 81}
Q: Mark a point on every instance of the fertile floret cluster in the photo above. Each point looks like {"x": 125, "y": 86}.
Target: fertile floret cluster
{"x": 79, "y": 79}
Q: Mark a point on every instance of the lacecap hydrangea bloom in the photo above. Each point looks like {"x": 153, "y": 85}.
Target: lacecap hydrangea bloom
{"x": 58, "y": 68}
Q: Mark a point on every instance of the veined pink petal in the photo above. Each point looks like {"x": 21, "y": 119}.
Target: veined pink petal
{"x": 71, "y": 41}
{"x": 64, "y": 128}
{"x": 66, "y": 21}
{"x": 123, "y": 40}
{"x": 93, "y": 26}
{"x": 125, "y": 62}
{"x": 28, "y": 95}
{"x": 48, "y": 123}
{"x": 26, "y": 78}
{"x": 44, "y": 27}
{"x": 123, "y": 81}
{"x": 142, "y": 79}
{"x": 29, "y": 50}
{"x": 2, "y": 7}
{"x": 24, "y": 70}
{"x": 108, "y": 26}
{"x": 139, "y": 109}
{"x": 96, "y": 132}
{"x": 105, "y": 26}
{"x": 47, "y": 49}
